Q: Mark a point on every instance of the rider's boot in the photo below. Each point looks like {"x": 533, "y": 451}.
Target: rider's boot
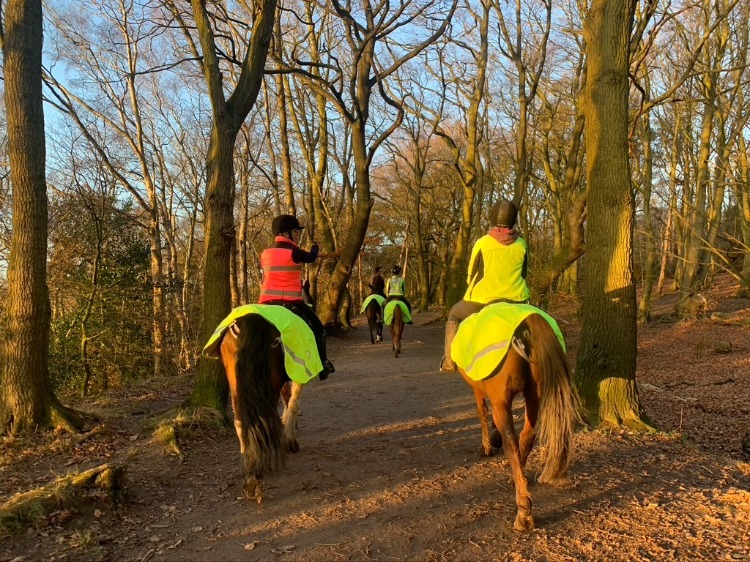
{"x": 328, "y": 367}
{"x": 446, "y": 363}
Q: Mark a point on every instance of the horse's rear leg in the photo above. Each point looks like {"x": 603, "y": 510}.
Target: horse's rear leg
{"x": 291, "y": 393}
{"x": 528, "y": 433}
{"x": 486, "y": 448}
{"x": 503, "y": 416}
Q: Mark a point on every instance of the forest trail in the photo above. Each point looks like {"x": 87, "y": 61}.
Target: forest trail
{"x": 389, "y": 470}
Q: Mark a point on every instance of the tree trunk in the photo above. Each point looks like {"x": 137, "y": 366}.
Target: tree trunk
{"x": 211, "y": 388}
{"x": 26, "y": 398}
{"x": 693, "y": 255}
{"x": 669, "y": 236}
{"x": 649, "y": 265}
{"x": 742, "y": 193}
{"x": 342, "y": 270}
{"x": 605, "y": 372}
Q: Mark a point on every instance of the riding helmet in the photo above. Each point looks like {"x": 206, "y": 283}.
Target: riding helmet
{"x": 396, "y": 269}
{"x": 503, "y": 213}
{"x": 285, "y": 223}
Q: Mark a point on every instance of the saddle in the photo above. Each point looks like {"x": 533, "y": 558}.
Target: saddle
{"x": 390, "y": 308}
{"x": 301, "y": 359}
{"x": 484, "y": 338}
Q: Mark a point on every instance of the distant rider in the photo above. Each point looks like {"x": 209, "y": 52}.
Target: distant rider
{"x": 394, "y": 289}
{"x": 377, "y": 283}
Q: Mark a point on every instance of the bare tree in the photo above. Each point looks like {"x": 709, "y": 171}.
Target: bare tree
{"x": 228, "y": 115}
{"x": 371, "y": 33}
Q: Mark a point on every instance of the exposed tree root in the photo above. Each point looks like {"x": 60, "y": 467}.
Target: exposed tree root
{"x": 65, "y": 418}
{"x": 177, "y": 424}
{"x": 25, "y": 508}
{"x": 98, "y": 430}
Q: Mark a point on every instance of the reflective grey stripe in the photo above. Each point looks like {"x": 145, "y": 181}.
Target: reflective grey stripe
{"x": 297, "y": 360}
{"x": 282, "y": 268}
{"x": 281, "y": 293}
{"x": 489, "y": 349}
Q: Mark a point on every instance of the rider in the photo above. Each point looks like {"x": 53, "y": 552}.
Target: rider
{"x": 497, "y": 272}
{"x": 377, "y": 283}
{"x": 282, "y": 279}
{"x": 394, "y": 289}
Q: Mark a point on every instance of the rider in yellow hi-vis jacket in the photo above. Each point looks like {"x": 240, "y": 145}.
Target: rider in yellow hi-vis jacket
{"x": 394, "y": 289}
{"x": 497, "y": 273}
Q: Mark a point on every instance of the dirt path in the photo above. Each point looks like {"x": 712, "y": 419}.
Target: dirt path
{"x": 389, "y": 470}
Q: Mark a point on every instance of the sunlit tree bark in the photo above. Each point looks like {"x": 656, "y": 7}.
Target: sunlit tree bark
{"x": 605, "y": 373}
{"x": 27, "y": 401}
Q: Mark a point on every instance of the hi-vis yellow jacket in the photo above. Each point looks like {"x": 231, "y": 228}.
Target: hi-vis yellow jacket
{"x": 497, "y": 271}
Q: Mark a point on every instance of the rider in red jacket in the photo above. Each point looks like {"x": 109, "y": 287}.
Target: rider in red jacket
{"x": 282, "y": 279}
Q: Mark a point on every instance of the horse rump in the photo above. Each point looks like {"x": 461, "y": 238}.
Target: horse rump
{"x": 374, "y": 321}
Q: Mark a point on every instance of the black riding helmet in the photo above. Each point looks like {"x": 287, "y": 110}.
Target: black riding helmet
{"x": 503, "y": 213}
{"x": 285, "y": 223}
{"x": 396, "y": 269}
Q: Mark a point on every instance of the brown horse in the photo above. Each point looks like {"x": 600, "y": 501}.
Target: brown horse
{"x": 397, "y": 329}
{"x": 253, "y": 360}
{"x": 375, "y": 321}
{"x": 535, "y": 366}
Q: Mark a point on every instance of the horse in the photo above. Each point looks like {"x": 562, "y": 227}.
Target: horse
{"x": 536, "y": 366}
{"x": 374, "y": 321}
{"x": 396, "y": 326}
{"x": 253, "y": 360}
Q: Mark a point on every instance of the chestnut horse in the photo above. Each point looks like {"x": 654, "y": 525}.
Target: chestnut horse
{"x": 375, "y": 321}
{"x": 253, "y": 360}
{"x": 397, "y": 327}
{"x": 536, "y": 366}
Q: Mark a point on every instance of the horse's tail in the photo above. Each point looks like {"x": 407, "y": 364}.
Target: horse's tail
{"x": 261, "y": 429}
{"x": 374, "y": 311}
{"x": 559, "y": 404}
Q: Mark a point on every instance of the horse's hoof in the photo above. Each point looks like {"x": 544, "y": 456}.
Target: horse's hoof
{"x": 496, "y": 440}
{"x": 557, "y": 482}
{"x": 523, "y": 523}
{"x": 485, "y": 452}
{"x": 292, "y": 446}
{"x": 252, "y": 491}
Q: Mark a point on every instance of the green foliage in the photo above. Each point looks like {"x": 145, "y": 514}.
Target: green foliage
{"x": 99, "y": 286}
